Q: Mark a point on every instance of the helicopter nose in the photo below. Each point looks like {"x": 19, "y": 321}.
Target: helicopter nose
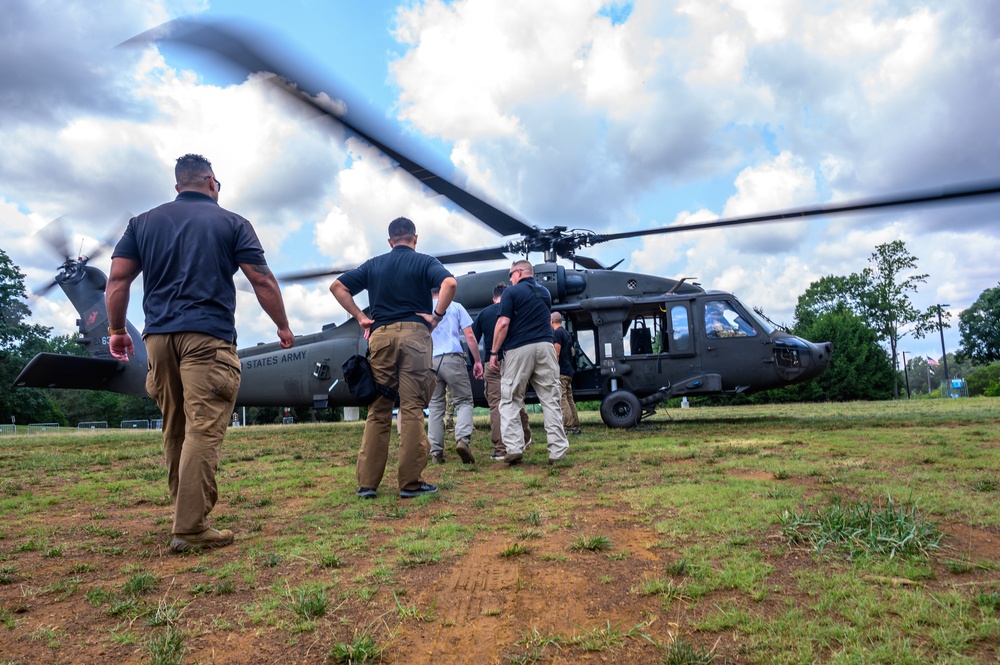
{"x": 823, "y": 354}
{"x": 797, "y": 359}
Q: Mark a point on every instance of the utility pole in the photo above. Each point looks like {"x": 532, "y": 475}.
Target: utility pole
{"x": 906, "y": 375}
{"x": 944, "y": 354}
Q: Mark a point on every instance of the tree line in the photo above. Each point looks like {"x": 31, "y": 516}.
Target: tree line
{"x": 866, "y": 315}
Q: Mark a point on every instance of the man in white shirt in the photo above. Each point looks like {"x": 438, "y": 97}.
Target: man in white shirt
{"x": 449, "y": 365}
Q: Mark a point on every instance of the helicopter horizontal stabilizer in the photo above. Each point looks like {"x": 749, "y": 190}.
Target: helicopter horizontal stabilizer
{"x": 52, "y": 370}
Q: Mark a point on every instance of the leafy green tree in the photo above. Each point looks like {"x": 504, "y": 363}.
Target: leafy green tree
{"x": 879, "y": 294}
{"x": 829, "y": 294}
{"x": 859, "y": 368}
{"x": 979, "y": 326}
{"x": 19, "y": 342}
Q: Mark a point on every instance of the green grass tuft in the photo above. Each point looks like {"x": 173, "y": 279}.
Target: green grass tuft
{"x": 864, "y": 529}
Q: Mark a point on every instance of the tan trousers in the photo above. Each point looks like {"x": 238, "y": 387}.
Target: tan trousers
{"x": 194, "y": 379}
{"x": 571, "y": 419}
{"x": 400, "y": 355}
{"x": 535, "y": 363}
{"x": 491, "y": 380}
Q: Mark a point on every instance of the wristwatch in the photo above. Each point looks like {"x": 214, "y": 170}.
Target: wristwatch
{"x": 117, "y": 331}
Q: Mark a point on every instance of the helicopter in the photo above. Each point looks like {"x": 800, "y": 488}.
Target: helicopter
{"x": 638, "y": 339}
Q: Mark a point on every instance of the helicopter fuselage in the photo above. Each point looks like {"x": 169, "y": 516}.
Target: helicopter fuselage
{"x": 638, "y": 339}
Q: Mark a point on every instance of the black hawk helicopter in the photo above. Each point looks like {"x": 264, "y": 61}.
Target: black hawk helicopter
{"x": 638, "y": 339}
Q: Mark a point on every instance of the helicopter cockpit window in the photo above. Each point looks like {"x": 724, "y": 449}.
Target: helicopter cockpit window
{"x": 723, "y": 320}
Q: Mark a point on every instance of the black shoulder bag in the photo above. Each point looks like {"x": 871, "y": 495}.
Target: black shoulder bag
{"x": 361, "y": 381}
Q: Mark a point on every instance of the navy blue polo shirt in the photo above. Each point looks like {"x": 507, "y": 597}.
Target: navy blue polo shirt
{"x": 565, "y": 342}
{"x": 399, "y": 284}
{"x": 484, "y": 326}
{"x": 527, "y": 306}
{"x": 188, "y": 251}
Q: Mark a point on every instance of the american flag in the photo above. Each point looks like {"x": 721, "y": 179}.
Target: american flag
{"x": 931, "y": 361}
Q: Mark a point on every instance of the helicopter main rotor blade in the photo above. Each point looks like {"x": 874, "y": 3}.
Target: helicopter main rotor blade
{"x": 240, "y": 49}
{"x": 958, "y": 193}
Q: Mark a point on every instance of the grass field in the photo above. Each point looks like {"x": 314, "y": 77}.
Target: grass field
{"x": 841, "y": 533}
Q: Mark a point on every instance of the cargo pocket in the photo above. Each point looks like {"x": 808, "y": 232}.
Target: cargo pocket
{"x": 225, "y": 379}
{"x": 506, "y": 390}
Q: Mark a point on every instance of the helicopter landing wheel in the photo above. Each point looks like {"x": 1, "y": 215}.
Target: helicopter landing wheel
{"x": 620, "y": 410}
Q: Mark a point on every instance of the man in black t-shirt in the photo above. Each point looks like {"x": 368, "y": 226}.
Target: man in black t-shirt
{"x": 524, "y": 333}
{"x": 564, "y": 351}
{"x": 187, "y": 251}
{"x": 399, "y": 287}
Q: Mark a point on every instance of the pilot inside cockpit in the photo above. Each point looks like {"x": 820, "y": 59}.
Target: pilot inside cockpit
{"x": 721, "y": 320}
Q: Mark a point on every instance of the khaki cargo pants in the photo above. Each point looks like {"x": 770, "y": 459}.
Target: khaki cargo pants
{"x": 194, "y": 379}
{"x": 400, "y": 356}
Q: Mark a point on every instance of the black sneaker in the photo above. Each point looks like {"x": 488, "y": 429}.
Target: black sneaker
{"x": 425, "y": 488}
{"x": 437, "y": 458}
{"x": 366, "y": 493}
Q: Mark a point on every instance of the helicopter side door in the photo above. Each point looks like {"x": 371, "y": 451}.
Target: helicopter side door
{"x": 659, "y": 345}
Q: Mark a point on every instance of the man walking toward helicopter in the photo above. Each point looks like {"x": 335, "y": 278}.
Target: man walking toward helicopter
{"x": 399, "y": 285}
{"x": 187, "y": 251}
{"x": 524, "y": 334}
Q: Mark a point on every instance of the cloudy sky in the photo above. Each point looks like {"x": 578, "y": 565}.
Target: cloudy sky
{"x": 607, "y": 116}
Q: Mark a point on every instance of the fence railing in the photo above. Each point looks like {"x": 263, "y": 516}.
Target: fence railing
{"x": 93, "y": 424}
{"x": 38, "y": 428}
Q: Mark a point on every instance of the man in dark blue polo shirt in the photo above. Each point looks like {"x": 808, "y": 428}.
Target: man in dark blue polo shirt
{"x": 399, "y": 285}
{"x": 524, "y": 334}
{"x": 483, "y": 328}
{"x": 564, "y": 351}
{"x": 187, "y": 251}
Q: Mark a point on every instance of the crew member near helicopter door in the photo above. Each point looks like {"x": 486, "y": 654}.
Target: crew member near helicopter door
{"x": 187, "y": 251}
{"x": 399, "y": 285}
{"x": 524, "y": 334}
{"x": 482, "y": 329}
{"x": 564, "y": 351}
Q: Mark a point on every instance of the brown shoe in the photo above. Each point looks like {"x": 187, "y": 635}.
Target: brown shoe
{"x": 208, "y": 538}
{"x": 463, "y": 450}
{"x": 512, "y": 458}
